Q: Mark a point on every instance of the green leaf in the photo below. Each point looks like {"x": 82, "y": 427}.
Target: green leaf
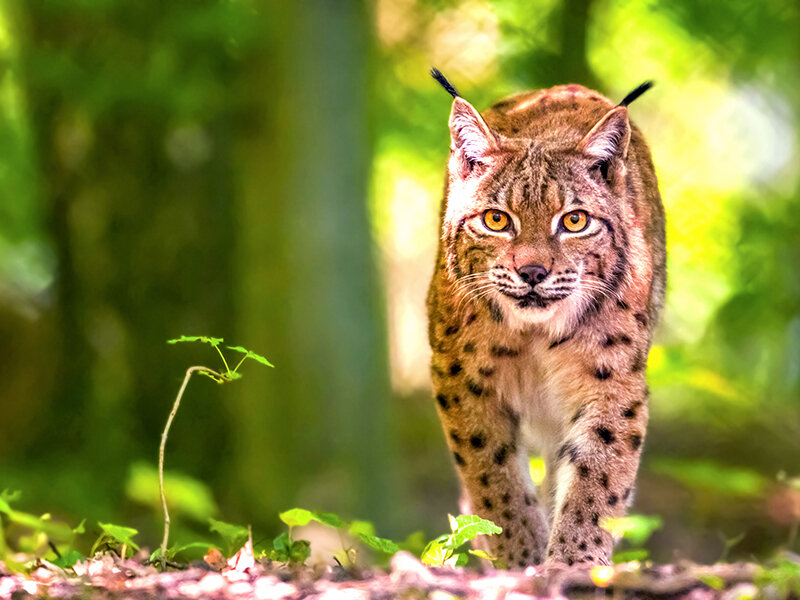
{"x": 296, "y": 517}
{"x": 280, "y": 547}
{"x": 300, "y": 551}
{"x": 120, "y": 534}
{"x": 468, "y": 527}
{"x": 251, "y": 354}
{"x": 483, "y": 554}
{"x": 192, "y": 551}
{"x": 634, "y": 528}
{"x": 629, "y": 556}
{"x": 436, "y": 553}
{"x": 68, "y": 559}
{"x": 234, "y": 535}
{"x": 379, "y": 544}
{"x": 712, "y": 476}
{"x": 715, "y": 582}
{"x": 357, "y": 528}
{"x": 414, "y": 543}
{"x": 197, "y": 338}
{"x": 327, "y": 518}
{"x": 186, "y": 496}
{"x": 8, "y": 496}
{"x": 56, "y": 531}
{"x": 461, "y": 559}
{"x": 80, "y": 529}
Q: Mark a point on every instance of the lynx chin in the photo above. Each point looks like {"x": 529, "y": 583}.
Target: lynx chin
{"x": 548, "y": 282}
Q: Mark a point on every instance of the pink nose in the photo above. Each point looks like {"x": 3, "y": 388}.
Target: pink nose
{"x": 532, "y": 273}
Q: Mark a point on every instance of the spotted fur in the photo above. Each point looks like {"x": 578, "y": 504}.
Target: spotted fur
{"x": 540, "y": 335}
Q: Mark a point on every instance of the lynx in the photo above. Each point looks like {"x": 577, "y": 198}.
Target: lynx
{"x": 548, "y": 282}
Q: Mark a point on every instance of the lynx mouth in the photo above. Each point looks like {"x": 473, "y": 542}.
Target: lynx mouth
{"x": 532, "y": 299}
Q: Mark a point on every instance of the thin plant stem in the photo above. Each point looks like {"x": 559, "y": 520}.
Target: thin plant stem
{"x": 163, "y": 445}
{"x": 222, "y": 356}
{"x": 239, "y": 364}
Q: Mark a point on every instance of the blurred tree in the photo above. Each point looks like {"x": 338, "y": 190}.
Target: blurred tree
{"x": 308, "y": 286}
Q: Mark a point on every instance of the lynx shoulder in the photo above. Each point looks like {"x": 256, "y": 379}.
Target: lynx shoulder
{"x": 549, "y": 280}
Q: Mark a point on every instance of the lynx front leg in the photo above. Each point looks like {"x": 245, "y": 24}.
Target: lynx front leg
{"x": 596, "y": 469}
{"x": 482, "y": 434}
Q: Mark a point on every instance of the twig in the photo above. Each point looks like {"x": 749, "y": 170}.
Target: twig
{"x": 163, "y": 445}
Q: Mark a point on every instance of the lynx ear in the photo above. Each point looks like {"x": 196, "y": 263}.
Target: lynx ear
{"x": 471, "y": 140}
{"x": 609, "y": 138}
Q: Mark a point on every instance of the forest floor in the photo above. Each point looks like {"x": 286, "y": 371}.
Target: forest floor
{"x": 110, "y": 577}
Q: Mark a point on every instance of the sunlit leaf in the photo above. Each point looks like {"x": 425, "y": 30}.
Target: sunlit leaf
{"x": 56, "y": 531}
{"x": 378, "y": 543}
{"x": 630, "y": 555}
{"x": 68, "y": 558}
{"x": 436, "y": 553}
{"x": 361, "y": 528}
{"x": 185, "y": 495}
{"x": 234, "y": 535}
{"x": 296, "y": 517}
{"x": 415, "y": 543}
{"x": 120, "y": 534}
{"x": 468, "y": 527}
{"x": 197, "y": 338}
{"x": 715, "y": 582}
{"x": 483, "y": 554}
{"x": 327, "y": 518}
{"x": 712, "y": 476}
{"x": 251, "y": 354}
{"x": 634, "y": 528}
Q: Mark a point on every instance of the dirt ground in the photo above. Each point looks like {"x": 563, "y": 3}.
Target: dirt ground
{"x": 111, "y": 577}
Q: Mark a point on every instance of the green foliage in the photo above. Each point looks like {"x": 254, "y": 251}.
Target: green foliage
{"x": 215, "y": 342}
{"x": 446, "y": 550}
{"x": 219, "y": 378}
{"x": 286, "y": 549}
{"x": 250, "y": 354}
{"x": 712, "y": 476}
{"x": 783, "y": 580}
{"x": 229, "y": 374}
{"x": 188, "y": 497}
{"x": 635, "y": 530}
{"x": 57, "y": 532}
{"x": 364, "y": 531}
{"x": 183, "y": 552}
{"x": 234, "y": 535}
{"x": 117, "y": 537}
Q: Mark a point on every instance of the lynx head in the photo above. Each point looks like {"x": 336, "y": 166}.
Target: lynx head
{"x": 532, "y": 222}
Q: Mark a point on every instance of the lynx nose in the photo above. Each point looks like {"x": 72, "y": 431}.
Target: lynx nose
{"x": 532, "y": 273}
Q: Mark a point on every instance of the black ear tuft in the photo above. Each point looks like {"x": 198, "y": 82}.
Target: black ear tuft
{"x": 636, "y": 93}
{"x": 437, "y": 75}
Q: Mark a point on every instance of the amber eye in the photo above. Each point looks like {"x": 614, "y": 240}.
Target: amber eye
{"x": 496, "y": 220}
{"x": 575, "y": 221}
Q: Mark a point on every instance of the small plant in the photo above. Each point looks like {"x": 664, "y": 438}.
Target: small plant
{"x": 47, "y": 537}
{"x": 225, "y": 377}
{"x": 286, "y": 549}
{"x": 116, "y": 537}
{"x": 635, "y": 530}
{"x": 447, "y": 549}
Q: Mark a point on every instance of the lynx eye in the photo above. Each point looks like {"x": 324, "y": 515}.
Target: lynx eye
{"x": 575, "y": 221}
{"x": 496, "y": 220}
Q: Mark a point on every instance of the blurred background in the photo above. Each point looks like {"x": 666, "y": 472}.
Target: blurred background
{"x": 270, "y": 173}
